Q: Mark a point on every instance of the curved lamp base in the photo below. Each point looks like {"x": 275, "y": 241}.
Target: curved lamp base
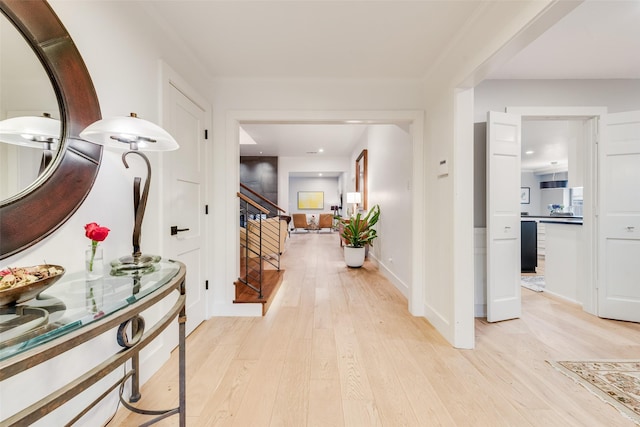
{"x": 134, "y": 265}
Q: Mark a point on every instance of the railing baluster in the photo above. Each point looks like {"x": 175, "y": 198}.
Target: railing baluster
{"x": 266, "y": 238}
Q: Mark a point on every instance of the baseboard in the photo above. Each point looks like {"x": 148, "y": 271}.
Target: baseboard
{"x": 399, "y": 284}
{"x": 559, "y": 297}
{"x": 480, "y": 273}
{"x": 236, "y": 310}
{"x": 442, "y": 325}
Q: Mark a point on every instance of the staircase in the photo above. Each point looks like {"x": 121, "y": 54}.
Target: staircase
{"x": 263, "y": 231}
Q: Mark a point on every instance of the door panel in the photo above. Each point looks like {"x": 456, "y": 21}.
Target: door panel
{"x": 503, "y": 216}
{"x": 619, "y": 220}
{"x": 185, "y": 199}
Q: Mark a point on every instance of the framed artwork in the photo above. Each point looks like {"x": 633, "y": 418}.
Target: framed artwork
{"x": 310, "y": 199}
{"x": 361, "y": 178}
{"x": 525, "y": 195}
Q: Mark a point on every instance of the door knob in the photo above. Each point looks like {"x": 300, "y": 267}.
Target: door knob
{"x": 175, "y": 230}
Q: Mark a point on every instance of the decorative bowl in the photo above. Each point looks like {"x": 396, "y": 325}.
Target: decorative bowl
{"x": 22, "y": 292}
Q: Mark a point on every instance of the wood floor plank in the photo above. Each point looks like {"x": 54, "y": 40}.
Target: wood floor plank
{"x": 338, "y": 347}
{"x": 225, "y": 403}
{"x": 325, "y": 403}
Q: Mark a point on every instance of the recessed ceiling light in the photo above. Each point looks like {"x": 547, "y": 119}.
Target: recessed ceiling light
{"x": 320, "y": 174}
{"x": 320, "y": 150}
{"x": 529, "y": 152}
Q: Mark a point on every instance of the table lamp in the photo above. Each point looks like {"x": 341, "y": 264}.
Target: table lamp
{"x": 355, "y": 199}
{"x": 41, "y": 132}
{"x": 136, "y": 135}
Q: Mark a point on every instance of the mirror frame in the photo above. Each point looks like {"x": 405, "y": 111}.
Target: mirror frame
{"x": 361, "y": 178}
{"x": 42, "y": 208}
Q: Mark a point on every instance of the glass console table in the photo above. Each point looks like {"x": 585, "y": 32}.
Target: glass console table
{"x": 73, "y": 311}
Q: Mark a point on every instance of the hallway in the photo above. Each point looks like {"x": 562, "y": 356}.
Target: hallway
{"x": 339, "y": 348}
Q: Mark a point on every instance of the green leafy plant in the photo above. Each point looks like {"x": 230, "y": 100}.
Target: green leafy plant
{"x": 359, "y": 232}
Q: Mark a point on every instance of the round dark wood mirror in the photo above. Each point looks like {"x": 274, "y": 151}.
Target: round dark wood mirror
{"x": 42, "y": 208}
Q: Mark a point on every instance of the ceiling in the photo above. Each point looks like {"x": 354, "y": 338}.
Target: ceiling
{"x": 363, "y": 39}
{"x": 301, "y": 140}
{"x": 594, "y": 41}
{"x": 314, "y": 39}
{"x": 545, "y": 144}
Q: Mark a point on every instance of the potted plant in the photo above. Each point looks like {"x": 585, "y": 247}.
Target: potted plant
{"x": 358, "y": 232}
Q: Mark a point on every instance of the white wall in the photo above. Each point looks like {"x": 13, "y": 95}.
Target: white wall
{"x": 329, "y": 186}
{"x": 287, "y": 165}
{"x": 616, "y": 95}
{"x": 389, "y": 185}
{"x": 533, "y": 208}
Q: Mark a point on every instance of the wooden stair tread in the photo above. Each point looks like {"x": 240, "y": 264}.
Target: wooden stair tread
{"x": 271, "y": 281}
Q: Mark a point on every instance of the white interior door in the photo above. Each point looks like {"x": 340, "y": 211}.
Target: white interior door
{"x": 619, "y": 217}
{"x": 184, "y": 179}
{"x": 503, "y": 216}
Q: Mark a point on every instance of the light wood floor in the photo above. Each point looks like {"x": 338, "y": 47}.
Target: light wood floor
{"x": 338, "y": 348}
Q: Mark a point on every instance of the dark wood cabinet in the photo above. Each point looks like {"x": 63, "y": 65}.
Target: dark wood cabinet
{"x": 528, "y": 246}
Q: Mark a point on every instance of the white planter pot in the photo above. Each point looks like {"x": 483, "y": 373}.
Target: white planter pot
{"x": 353, "y": 257}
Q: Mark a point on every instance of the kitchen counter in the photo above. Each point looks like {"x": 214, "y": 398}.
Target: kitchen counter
{"x": 553, "y": 219}
{"x": 564, "y": 244}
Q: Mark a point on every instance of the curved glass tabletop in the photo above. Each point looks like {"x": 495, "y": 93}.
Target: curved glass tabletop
{"x": 73, "y": 302}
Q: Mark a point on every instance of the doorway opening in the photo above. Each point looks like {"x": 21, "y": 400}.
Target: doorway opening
{"x": 579, "y": 284}
{"x": 409, "y": 121}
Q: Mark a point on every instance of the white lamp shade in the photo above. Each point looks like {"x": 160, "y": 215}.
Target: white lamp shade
{"x": 30, "y": 131}
{"x": 353, "y": 198}
{"x": 121, "y": 132}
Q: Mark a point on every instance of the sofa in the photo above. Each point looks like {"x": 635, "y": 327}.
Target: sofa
{"x": 274, "y": 236}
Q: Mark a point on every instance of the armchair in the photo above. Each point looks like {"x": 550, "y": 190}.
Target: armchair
{"x": 326, "y": 221}
{"x": 300, "y": 221}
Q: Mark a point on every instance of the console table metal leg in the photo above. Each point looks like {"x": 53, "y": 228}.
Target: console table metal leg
{"x": 182, "y": 319}
{"x": 135, "y": 379}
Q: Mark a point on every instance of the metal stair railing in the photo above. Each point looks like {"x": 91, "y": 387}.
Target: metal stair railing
{"x": 259, "y": 243}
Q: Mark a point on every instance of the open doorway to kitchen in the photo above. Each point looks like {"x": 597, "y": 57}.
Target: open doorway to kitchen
{"x": 534, "y": 204}
{"x": 565, "y": 241}
{"x": 551, "y": 185}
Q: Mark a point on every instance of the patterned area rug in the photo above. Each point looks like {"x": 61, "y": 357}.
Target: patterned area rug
{"x": 535, "y": 283}
{"x": 615, "y": 382}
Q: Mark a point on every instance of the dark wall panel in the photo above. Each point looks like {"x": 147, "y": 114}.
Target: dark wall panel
{"x": 261, "y": 175}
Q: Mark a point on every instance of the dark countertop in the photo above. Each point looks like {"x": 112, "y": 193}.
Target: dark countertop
{"x": 553, "y": 219}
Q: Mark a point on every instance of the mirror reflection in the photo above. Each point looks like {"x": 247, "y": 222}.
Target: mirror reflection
{"x": 30, "y": 140}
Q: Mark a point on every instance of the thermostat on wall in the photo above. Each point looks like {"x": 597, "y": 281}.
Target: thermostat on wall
{"x": 443, "y": 168}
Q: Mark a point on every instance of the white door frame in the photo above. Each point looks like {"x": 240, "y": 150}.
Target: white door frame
{"x": 229, "y": 263}
{"x": 589, "y": 262}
